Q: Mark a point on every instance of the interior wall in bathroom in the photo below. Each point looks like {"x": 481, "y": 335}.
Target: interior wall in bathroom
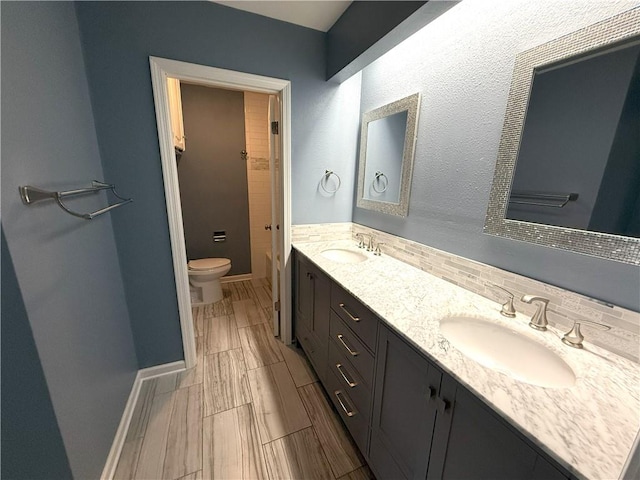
{"x": 117, "y": 39}
{"x": 462, "y": 65}
{"x": 213, "y": 176}
{"x": 67, "y": 268}
{"x": 256, "y": 121}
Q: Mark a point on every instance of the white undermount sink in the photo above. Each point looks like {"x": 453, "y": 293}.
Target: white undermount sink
{"x": 507, "y": 351}
{"x": 343, "y": 255}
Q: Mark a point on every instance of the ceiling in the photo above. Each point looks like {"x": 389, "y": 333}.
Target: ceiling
{"x": 319, "y": 15}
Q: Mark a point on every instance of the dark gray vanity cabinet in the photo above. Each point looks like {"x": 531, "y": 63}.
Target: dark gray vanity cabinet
{"x": 472, "y": 442}
{"x": 312, "y": 307}
{"x": 426, "y": 425}
{"x": 404, "y": 410}
{"x": 410, "y": 419}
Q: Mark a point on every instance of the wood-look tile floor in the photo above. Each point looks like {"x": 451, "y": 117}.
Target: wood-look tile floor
{"x": 252, "y": 408}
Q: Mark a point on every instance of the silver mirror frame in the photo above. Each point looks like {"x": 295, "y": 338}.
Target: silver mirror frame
{"x": 412, "y": 105}
{"x": 616, "y": 29}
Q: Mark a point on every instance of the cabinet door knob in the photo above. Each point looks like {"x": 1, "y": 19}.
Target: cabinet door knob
{"x": 432, "y": 392}
{"x": 443, "y": 405}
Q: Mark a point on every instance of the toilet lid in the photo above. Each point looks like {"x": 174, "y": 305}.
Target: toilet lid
{"x": 208, "y": 263}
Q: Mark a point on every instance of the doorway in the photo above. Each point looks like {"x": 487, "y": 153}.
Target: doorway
{"x": 280, "y": 90}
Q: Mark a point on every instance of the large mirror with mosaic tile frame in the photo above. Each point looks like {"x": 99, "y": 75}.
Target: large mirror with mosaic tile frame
{"x": 387, "y": 147}
{"x": 556, "y": 135}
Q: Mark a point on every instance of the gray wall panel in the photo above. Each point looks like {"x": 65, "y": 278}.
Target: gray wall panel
{"x": 213, "y": 177}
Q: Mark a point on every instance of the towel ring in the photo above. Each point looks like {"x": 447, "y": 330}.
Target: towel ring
{"x": 323, "y": 181}
{"x": 377, "y": 179}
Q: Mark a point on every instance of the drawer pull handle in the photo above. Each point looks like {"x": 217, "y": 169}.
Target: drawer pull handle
{"x": 351, "y": 352}
{"x": 349, "y": 382}
{"x": 351, "y": 316}
{"x": 348, "y": 411}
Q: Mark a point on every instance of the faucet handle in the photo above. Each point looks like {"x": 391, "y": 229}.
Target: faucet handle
{"x": 508, "y": 310}
{"x": 378, "y": 252}
{"x": 361, "y": 242}
{"x": 539, "y": 319}
{"x": 574, "y": 337}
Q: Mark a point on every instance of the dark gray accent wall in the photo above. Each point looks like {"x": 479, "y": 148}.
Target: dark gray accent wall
{"x": 29, "y": 426}
{"x": 118, "y": 38}
{"x": 67, "y": 268}
{"x": 369, "y": 29}
{"x": 462, "y": 65}
{"x": 213, "y": 176}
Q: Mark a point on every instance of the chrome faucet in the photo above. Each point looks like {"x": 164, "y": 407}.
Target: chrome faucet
{"x": 539, "y": 318}
{"x": 574, "y": 337}
{"x": 370, "y": 242}
{"x": 377, "y": 251}
{"x": 361, "y": 240}
{"x": 508, "y": 310}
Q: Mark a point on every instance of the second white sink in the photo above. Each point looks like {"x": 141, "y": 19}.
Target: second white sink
{"x": 507, "y": 351}
{"x": 343, "y": 255}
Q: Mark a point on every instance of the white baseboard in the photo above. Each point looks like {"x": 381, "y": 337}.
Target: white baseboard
{"x": 121, "y": 433}
{"x": 236, "y": 278}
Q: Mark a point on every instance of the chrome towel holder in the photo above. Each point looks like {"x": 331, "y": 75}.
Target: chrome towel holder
{"x": 377, "y": 179}
{"x": 31, "y": 195}
{"x": 325, "y": 179}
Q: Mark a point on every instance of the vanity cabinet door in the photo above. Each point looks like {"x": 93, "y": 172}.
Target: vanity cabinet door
{"x": 471, "y": 442}
{"x": 312, "y": 308}
{"x": 404, "y": 411}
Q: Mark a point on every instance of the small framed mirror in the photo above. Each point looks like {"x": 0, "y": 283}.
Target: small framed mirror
{"x": 568, "y": 168}
{"x": 387, "y": 146}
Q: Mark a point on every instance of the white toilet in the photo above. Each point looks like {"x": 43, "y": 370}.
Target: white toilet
{"x": 205, "y": 273}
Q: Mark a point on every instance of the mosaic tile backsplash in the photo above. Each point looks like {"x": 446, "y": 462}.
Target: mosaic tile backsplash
{"x": 564, "y": 306}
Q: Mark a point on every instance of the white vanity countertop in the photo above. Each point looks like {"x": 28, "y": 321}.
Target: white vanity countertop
{"x": 589, "y": 428}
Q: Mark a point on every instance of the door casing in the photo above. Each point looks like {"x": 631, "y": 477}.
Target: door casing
{"x": 161, "y": 68}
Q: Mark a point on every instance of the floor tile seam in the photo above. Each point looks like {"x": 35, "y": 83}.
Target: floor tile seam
{"x": 315, "y": 429}
{"x": 227, "y": 409}
{"x": 236, "y": 406}
{"x": 165, "y": 436}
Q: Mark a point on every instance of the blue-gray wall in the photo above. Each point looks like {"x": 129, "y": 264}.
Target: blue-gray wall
{"x": 67, "y": 268}
{"x": 29, "y": 426}
{"x": 462, "y": 64}
{"x": 117, "y": 39}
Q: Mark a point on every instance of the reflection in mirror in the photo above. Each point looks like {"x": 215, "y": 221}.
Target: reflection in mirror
{"x": 579, "y": 159}
{"x": 387, "y": 144}
{"x": 568, "y": 168}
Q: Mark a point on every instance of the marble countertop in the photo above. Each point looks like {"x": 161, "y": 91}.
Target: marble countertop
{"x": 589, "y": 428}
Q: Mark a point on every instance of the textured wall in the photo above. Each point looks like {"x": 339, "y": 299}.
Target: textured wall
{"x": 462, "y": 65}
{"x": 29, "y": 425}
{"x": 67, "y": 268}
{"x": 213, "y": 176}
{"x": 117, "y": 39}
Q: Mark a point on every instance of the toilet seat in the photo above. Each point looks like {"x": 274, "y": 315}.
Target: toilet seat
{"x": 208, "y": 263}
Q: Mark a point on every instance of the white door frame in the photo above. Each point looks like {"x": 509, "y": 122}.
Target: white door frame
{"x": 161, "y": 68}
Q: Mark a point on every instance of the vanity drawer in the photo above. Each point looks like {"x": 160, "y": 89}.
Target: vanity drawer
{"x": 358, "y": 317}
{"x": 350, "y": 380}
{"x": 316, "y": 352}
{"x": 350, "y": 345}
{"x": 356, "y": 421}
